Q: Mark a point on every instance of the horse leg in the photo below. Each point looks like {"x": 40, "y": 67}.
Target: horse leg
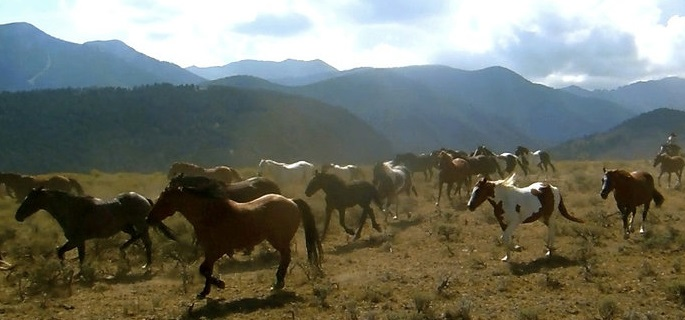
{"x": 145, "y": 236}
{"x": 644, "y": 218}
{"x": 282, "y": 266}
{"x": 327, "y": 221}
{"x": 437, "y": 204}
{"x": 551, "y": 165}
{"x": 341, "y": 218}
{"x": 506, "y": 238}
{"x": 206, "y": 270}
{"x": 658, "y": 179}
{"x": 374, "y": 224}
{"x": 362, "y": 221}
{"x": 64, "y": 248}
{"x": 624, "y": 217}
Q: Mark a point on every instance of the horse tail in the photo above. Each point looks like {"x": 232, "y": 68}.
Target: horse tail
{"x": 564, "y": 212}
{"x": 658, "y": 198}
{"x": 161, "y": 227}
{"x": 76, "y": 185}
{"x": 311, "y": 235}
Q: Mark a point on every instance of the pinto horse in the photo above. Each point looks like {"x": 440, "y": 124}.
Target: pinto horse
{"x": 341, "y": 195}
{"x": 508, "y": 160}
{"x": 350, "y": 171}
{"x": 669, "y": 164}
{"x": 514, "y": 206}
{"x": 241, "y": 191}
{"x": 223, "y": 226}
{"x": 19, "y": 185}
{"x": 423, "y": 163}
{"x": 391, "y": 180}
{"x": 221, "y": 173}
{"x": 286, "y": 172}
{"x": 84, "y": 217}
{"x": 631, "y": 189}
{"x": 451, "y": 171}
{"x": 544, "y": 159}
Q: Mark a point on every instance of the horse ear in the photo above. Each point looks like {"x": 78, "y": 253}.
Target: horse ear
{"x": 604, "y": 169}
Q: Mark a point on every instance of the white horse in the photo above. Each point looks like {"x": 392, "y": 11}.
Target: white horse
{"x": 391, "y": 180}
{"x": 300, "y": 171}
{"x": 514, "y": 205}
{"x": 349, "y": 171}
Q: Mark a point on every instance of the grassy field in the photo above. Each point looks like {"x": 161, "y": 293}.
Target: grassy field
{"x": 437, "y": 263}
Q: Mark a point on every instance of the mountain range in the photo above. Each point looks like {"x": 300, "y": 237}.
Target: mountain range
{"x": 406, "y": 109}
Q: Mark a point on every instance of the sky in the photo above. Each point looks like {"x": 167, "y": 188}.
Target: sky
{"x": 595, "y": 44}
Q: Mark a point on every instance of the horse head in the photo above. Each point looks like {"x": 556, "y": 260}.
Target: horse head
{"x": 482, "y": 191}
{"x": 314, "y": 184}
{"x": 607, "y": 183}
{"x": 33, "y": 202}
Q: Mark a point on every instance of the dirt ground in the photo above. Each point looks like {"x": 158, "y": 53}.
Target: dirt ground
{"x": 431, "y": 263}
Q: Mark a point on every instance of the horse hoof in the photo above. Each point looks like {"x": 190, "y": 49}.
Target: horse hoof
{"x": 350, "y": 232}
{"x": 201, "y": 295}
{"x": 277, "y": 286}
{"x": 505, "y": 259}
{"x": 626, "y": 236}
{"x": 220, "y": 284}
{"x": 377, "y": 227}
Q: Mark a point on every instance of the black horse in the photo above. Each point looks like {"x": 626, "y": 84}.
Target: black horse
{"x": 84, "y": 217}
{"x": 241, "y": 191}
{"x": 341, "y": 195}
{"x": 417, "y": 163}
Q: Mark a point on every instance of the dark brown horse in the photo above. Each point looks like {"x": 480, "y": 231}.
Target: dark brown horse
{"x": 423, "y": 163}
{"x": 83, "y": 218}
{"x": 631, "y": 189}
{"x": 221, "y": 173}
{"x": 508, "y": 160}
{"x": 241, "y": 191}
{"x": 19, "y": 185}
{"x": 669, "y": 164}
{"x": 451, "y": 171}
{"x": 223, "y": 226}
{"x": 341, "y": 195}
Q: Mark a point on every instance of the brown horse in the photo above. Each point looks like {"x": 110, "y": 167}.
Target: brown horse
{"x": 451, "y": 171}
{"x": 84, "y": 217}
{"x": 669, "y": 164}
{"x": 223, "y": 226}
{"x": 631, "y": 189}
{"x": 221, "y": 173}
{"x": 241, "y": 191}
{"x": 18, "y": 185}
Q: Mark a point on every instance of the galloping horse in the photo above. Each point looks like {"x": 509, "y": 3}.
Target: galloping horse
{"x": 341, "y": 195}
{"x": 423, "y": 163}
{"x": 669, "y": 164}
{"x": 241, "y": 191}
{"x": 631, "y": 189}
{"x": 350, "y": 171}
{"x": 391, "y": 180}
{"x": 286, "y": 172}
{"x": 514, "y": 205}
{"x": 84, "y": 217}
{"x": 544, "y": 160}
{"x": 509, "y": 160}
{"x": 19, "y": 185}
{"x": 223, "y": 226}
{"x": 221, "y": 173}
{"x": 451, "y": 171}
{"x": 484, "y": 165}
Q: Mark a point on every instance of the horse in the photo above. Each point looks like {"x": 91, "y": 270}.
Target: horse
{"x": 241, "y": 191}
{"x": 341, "y": 195}
{"x": 514, "y": 206}
{"x": 544, "y": 159}
{"x": 222, "y": 173}
{"x": 350, "y": 171}
{"x": 423, "y": 163}
{"x": 19, "y": 185}
{"x": 508, "y": 160}
{"x": 85, "y": 217}
{"x": 631, "y": 189}
{"x": 484, "y": 165}
{"x": 451, "y": 171}
{"x": 286, "y": 172}
{"x": 391, "y": 180}
{"x": 670, "y": 149}
{"x": 669, "y": 164}
{"x": 223, "y": 226}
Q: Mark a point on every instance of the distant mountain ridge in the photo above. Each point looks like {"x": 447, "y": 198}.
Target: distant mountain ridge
{"x": 31, "y": 59}
{"x": 286, "y": 72}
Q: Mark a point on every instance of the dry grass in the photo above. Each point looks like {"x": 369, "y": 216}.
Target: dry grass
{"x": 438, "y": 264}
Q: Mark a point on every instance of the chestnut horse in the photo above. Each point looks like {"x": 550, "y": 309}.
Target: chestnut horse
{"x": 223, "y": 226}
{"x": 84, "y": 217}
{"x": 451, "y": 171}
{"x": 18, "y": 185}
{"x": 631, "y": 189}
{"x": 514, "y": 206}
{"x": 669, "y": 164}
{"x": 341, "y": 195}
{"x": 221, "y": 173}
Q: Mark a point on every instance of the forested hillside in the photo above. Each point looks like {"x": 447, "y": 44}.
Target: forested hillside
{"x": 146, "y": 128}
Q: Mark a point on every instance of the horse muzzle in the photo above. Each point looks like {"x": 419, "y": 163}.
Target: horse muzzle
{"x": 604, "y": 195}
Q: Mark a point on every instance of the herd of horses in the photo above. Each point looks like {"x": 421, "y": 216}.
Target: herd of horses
{"x": 230, "y": 213}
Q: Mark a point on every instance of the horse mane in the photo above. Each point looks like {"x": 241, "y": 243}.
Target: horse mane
{"x": 508, "y": 181}
{"x": 200, "y": 185}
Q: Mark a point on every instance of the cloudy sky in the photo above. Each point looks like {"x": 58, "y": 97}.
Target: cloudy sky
{"x": 595, "y": 44}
